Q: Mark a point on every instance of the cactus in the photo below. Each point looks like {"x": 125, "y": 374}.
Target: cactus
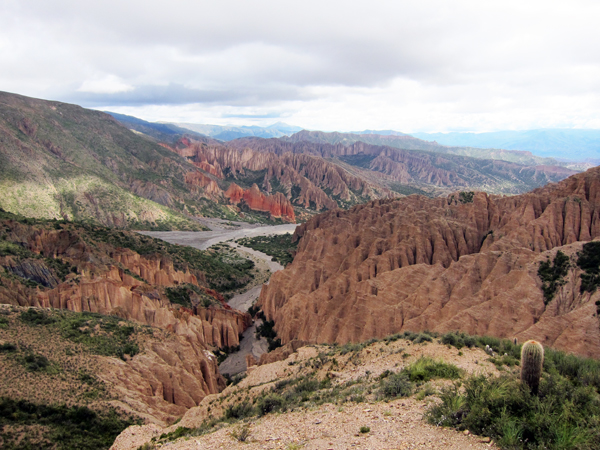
{"x": 532, "y": 359}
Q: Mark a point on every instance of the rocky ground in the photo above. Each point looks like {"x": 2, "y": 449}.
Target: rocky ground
{"x": 336, "y": 424}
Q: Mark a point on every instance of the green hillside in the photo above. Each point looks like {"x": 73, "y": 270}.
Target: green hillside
{"x": 62, "y": 161}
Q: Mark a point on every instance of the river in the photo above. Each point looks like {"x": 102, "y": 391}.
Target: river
{"x": 236, "y": 362}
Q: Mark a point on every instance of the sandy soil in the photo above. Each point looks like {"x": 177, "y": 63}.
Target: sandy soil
{"x": 396, "y": 424}
{"x": 204, "y": 239}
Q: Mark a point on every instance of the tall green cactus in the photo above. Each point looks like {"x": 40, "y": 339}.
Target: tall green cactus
{"x": 532, "y": 359}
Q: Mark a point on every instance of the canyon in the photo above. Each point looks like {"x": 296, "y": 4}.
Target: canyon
{"x": 455, "y": 263}
{"x": 172, "y": 374}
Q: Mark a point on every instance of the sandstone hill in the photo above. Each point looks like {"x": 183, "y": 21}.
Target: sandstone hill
{"x": 308, "y": 182}
{"x": 465, "y": 262}
{"x": 92, "y": 269}
{"x": 421, "y": 169}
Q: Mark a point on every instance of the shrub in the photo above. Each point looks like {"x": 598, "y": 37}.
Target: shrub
{"x": 7, "y": 347}
{"x": 396, "y": 385}
{"x": 589, "y": 261}
{"x": 239, "y": 411}
{"x": 553, "y": 274}
{"x": 563, "y": 416}
{"x": 270, "y": 403}
{"x": 424, "y": 369}
{"x": 36, "y": 317}
{"x": 364, "y": 429}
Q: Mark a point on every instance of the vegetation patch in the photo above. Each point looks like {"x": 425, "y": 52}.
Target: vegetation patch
{"x": 553, "y": 274}
{"x": 62, "y": 427}
{"x": 267, "y": 330}
{"x": 279, "y": 246}
{"x": 589, "y": 261}
{"x": 102, "y": 335}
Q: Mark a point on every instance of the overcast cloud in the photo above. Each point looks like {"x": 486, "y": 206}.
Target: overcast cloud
{"x": 331, "y": 65}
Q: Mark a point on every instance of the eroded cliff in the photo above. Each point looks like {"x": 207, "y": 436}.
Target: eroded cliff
{"x": 442, "y": 264}
{"x": 83, "y": 269}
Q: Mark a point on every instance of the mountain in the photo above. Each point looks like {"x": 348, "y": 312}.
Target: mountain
{"x": 568, "y": 144}
{"x": 309, "y": 183}
{"x": 398, "y": 169}
{"x": 468, "y": 262}
{"x": 161, "y": 132}
{"x": 230, "y": 132}
{"x": 407, "y": 142}
{"x": 61, "y": 161}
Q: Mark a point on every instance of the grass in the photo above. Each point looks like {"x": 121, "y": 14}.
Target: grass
{"x": 280, "y": 247}
{"x": 50, "y": 397}
{"x": 563, "y": 416}
{"x": 102, "y": 335}
{"x": 64, "y": 427}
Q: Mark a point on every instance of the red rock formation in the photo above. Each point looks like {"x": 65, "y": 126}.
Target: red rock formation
{"x": 404, "y": 166}
{"x": 173, "y": 375}
{"x": 313, "y": 175}
{"x": 438, "y": 264}
{"x": 200, "y": 180}
{"x": 276, "y": 205}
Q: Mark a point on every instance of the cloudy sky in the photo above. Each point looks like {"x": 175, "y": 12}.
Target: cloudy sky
{"x": 331, "y": 65}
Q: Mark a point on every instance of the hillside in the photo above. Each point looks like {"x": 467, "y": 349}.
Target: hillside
{"x": 161, "y": 132}
{"x": 466, "y": 262}
{"x": 98, "y": 272}
{"x": 410, "y": 171}
{"x": 400, "y": 392}
{"x": 61, "y": 161}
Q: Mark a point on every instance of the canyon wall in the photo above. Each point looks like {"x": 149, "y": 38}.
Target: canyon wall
{"x": 169, "y": 375}
{"x": 305, "y": 180}
{"x": 442, "y": 265}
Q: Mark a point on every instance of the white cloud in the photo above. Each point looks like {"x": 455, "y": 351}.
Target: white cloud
{"x": 108, "y": 84}
{"x": 430, "y": 65}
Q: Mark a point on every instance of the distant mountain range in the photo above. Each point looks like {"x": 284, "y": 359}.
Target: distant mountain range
{"x": 231, "y": 132}
{"x": 62, "y": 161}
{"x": 566, "y": 144}
{"x": 524, "y": 147}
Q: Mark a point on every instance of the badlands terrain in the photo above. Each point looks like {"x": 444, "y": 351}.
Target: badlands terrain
{"x": 392, "y": 323}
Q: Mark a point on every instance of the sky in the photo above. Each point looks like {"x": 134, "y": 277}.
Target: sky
{"x": 328, "y": 65}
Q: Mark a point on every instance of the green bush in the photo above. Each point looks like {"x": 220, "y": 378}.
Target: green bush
{"x": 553, "y": 274}
{"x": 239, "y": 411}
{"x": 589, "y": 261}
{"x": 563, "y": 416}
{"x": 8, "y": 347}
{"x": 62, "y": 427}
{"x": 396, "y": 385}
{"x": 270, "y": 403}
{"x": 425, "y": 369}
{"x": 36, "y": 317}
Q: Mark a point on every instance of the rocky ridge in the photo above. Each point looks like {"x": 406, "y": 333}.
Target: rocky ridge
{"x": 75, "y": 272}
{"x": 421, "y": 168}
{"x": 307, "y": 181}
{"x": 442, "y": 264}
